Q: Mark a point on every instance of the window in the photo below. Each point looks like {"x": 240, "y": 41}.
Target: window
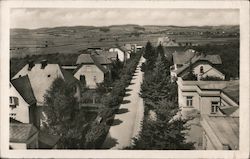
{"x": 201, "y": 69}
{"x": 48, "y": 75}
{"x": 214, "y": 107}
{"x": 94, "y": 78}
{"x": 189, "y": 101}
{"x": 14, "y": 101}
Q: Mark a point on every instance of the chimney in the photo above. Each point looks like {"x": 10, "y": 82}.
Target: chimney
{"x": 44, "y": 63}
{"x": 31, "y": 65}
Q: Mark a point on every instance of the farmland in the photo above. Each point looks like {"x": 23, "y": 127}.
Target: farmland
{"x": 70, "y": 40}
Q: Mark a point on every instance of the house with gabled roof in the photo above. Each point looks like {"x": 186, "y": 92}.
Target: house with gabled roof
{"x": 202, "y": 65}
{"x": 92, "y": 69}
{"x": 212, "y": 103}
{"x": 41, "y": 76}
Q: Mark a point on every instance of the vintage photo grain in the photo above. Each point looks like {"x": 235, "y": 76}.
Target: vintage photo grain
{"x": 127, "y": 78}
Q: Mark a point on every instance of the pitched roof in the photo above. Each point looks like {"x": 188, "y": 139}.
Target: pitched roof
{"x": 98, "y": 64}
{"x": 214, "y": 59}
{"x": 186, "y": 66}
{"x": 183, "y": 57}
{"x": 68, "y": 77}
{"x": 23, "y": 86}
{"x": 103, "y": 60}
{"x": 109, "y": 55}
{"x": 47, "y": 141}
{"x": 84, "y": 59}
{"x": 225, "y": 128}
{"x": 171, "y": 50}
{"x": 21, "y": 132}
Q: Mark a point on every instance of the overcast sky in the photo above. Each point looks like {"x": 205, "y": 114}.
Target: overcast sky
{"x": 38, "y": 18}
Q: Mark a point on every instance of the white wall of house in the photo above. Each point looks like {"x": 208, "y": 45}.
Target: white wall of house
{"x": 21, "y": 111}
{"x": 208, "y": 71}
{"x": 40, "y": 79}
{"x": 201, "y": 99}
{"x": 206, "y": 104}
{"x": 92, "y": 75}
{"x": 120, "y": 53}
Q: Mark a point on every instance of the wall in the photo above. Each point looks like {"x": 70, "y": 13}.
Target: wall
{"x": 40, "y": 79}
{"x": 206, "y": 102}
{"x": 120, "y": 53}
{"x": 22, "y": 110}
{"x": 18, "y": 145}
{"x": 89, "y": 71}
{"x": 208, "y": 71}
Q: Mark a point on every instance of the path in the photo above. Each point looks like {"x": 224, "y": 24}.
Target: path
{"x": 127, "y": 122}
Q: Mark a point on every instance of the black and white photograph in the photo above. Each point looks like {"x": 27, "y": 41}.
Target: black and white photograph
{"x": 126, "y": 78}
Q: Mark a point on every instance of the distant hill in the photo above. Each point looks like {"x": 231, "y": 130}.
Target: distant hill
{"x": 71, "y": 40}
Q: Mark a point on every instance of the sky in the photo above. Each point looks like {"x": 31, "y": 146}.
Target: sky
{"x": 32, "y": 18}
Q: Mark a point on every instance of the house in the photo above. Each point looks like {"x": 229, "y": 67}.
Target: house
{"x": 92, "y": 69}
{"x": 23, "y": 136}
{"x": 41, "y": 77}
{"x": 220, "y": 132}
{"x": 211, "y": 103}
{"x": 127, "y": 51}
{"x": 22, "y": 101}
{"x": 121, "y": 54}
{"x": 209, "y": 97}
{"x": 202, "y": 65}
{"x": 167, "y": 42}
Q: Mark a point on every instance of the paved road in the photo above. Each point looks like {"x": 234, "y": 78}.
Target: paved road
{"x": 127, "y": 121}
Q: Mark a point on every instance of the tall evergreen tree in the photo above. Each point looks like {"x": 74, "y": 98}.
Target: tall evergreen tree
{"x": 64, "y": 118}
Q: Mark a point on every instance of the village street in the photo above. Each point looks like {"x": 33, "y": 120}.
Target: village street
{"x": 127, "y": 122}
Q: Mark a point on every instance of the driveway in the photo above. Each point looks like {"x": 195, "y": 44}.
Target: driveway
{"x": 127, "y": 122}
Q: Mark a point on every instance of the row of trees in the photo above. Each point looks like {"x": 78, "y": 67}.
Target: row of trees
{"x": 111, "y": 100}
{"x": 161, "y": 128}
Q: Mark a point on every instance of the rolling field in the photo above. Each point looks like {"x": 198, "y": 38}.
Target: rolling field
{"x": 70, "y": 40}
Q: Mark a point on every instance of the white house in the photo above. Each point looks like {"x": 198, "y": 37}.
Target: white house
{"x": 208, "y": 97}
{"x": 205, "y": 100}
{"x": 202, "y": 65}
{"x": 91, "y": 70}
{"x": 121, "y": 55}
{"x": 41, "y": 77}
